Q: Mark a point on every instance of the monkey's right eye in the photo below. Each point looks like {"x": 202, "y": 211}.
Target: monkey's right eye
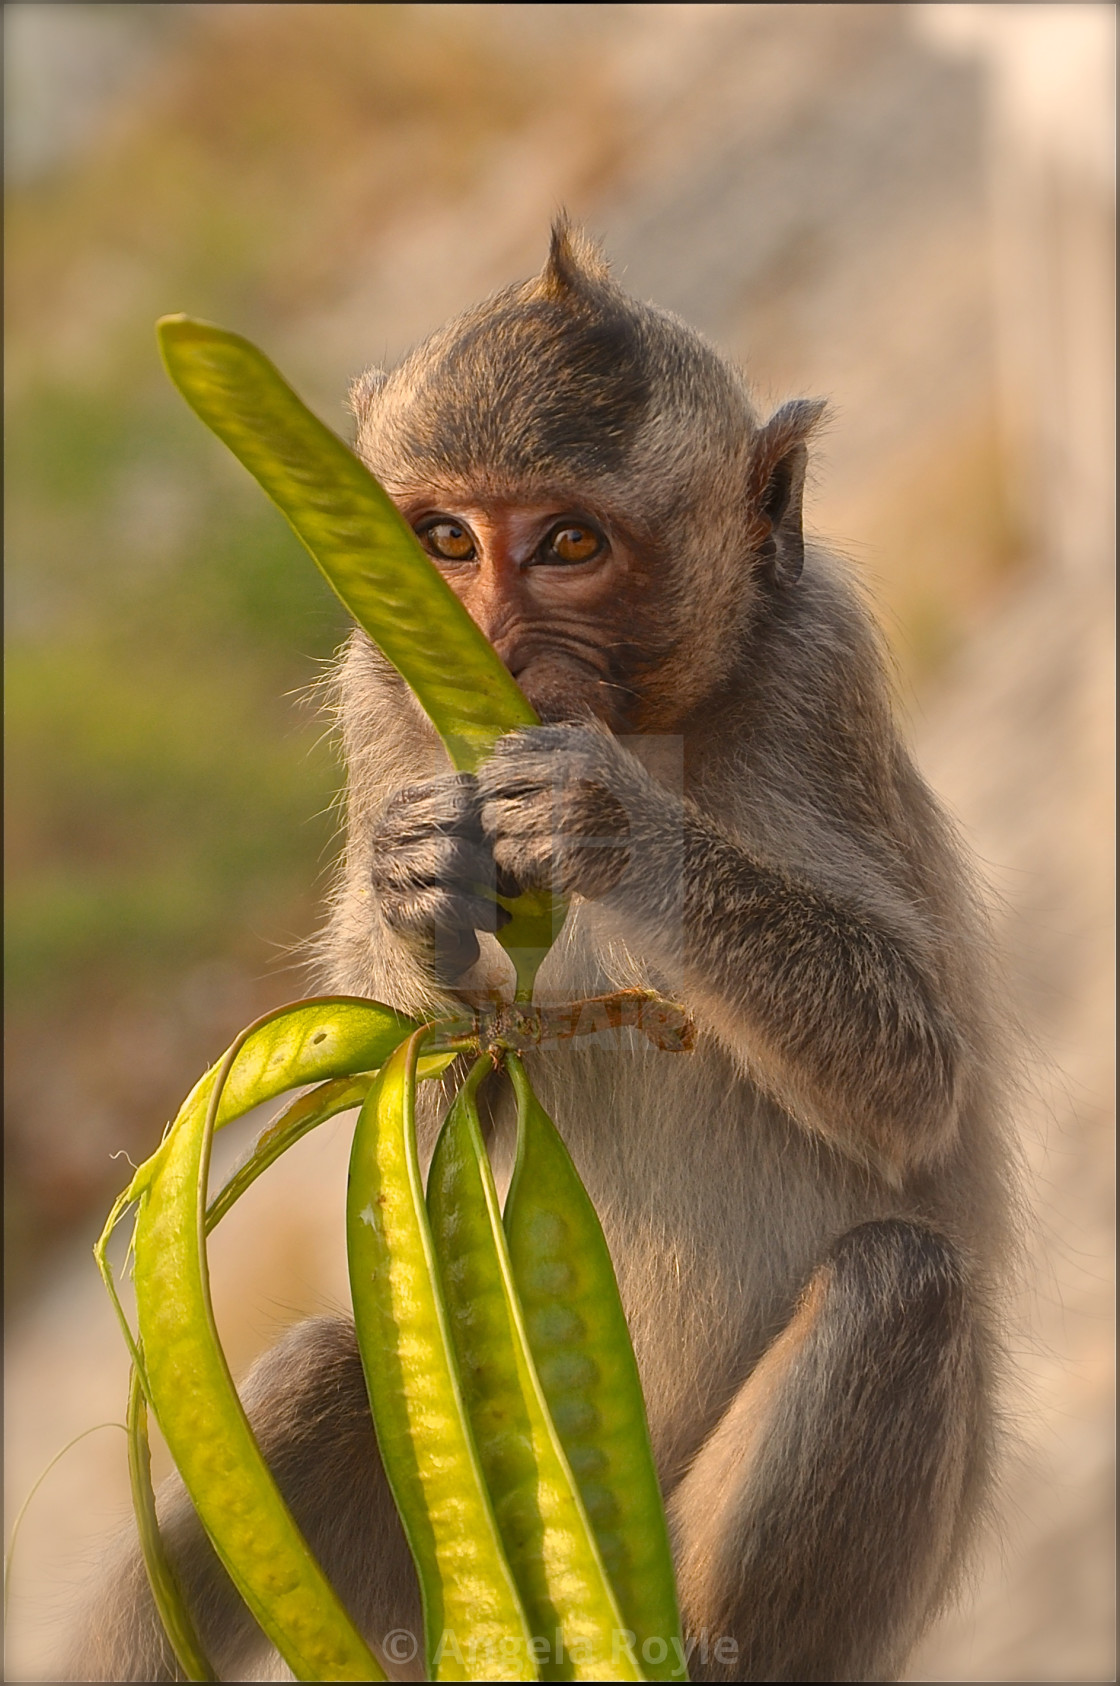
{"x": 448, "y": 541}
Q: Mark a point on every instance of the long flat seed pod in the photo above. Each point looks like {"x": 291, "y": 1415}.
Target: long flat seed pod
{"x": 178, "y": 1623}
{"x": 188, "y": 1383}
{"x": 305, "y": 1113}
{"x": 354, "y": 532}
{"x": 302, "y": 1115}
{"x": 306, "y": 1042}
{"x": 577, "y": 1333}
{"x": 474, "y": 1623}
{"x": 547, "y": 1537}
{"x": 370, "y": 557}
{"x": 311, "y": 1040}
{"x": 303, "y": 1042}
{"x": 339, "y": 1094}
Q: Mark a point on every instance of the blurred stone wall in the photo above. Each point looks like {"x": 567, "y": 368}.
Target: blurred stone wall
{"x": 1021, "y": 743}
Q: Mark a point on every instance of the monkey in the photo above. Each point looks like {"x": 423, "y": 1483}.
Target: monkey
{"x": 811, "y": 1214}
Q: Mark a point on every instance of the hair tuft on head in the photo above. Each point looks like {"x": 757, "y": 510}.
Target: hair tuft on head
{"x": 574, "y": 262}
{"x": 363, "y": 390}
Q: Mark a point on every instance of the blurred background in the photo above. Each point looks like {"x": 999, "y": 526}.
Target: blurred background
{"x": 908, "y": 210}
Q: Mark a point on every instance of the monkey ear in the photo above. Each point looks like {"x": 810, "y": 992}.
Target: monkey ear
{"x": 777, "y": 481}
{"x": 573, "y": 261}
{"x": 363, "y": 390}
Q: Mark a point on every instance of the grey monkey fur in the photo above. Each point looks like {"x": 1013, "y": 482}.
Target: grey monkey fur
{"x": 810, "y": 1215}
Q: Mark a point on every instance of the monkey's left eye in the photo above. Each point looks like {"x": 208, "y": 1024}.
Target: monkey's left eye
{"x": 573, "y": 542}
{"x": 450, "y": 541}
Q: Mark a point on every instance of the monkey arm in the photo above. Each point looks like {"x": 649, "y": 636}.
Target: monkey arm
{"x": 833, "y": 1012}
{"x": 831, "y": 1007}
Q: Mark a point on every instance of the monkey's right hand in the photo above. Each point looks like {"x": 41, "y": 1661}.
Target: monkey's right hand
{"x": 434, "y": 874}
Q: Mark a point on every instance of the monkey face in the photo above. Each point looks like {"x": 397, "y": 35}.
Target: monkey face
{"x": 553, "y": 587}
{"x": 591, "y": 479}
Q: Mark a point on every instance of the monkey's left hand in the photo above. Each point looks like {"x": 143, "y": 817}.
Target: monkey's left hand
{"x": 556, "y": 806}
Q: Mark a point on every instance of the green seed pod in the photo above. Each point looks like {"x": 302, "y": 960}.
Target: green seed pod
{"x": 545, "y": 1531}
{"x": 181, "y": 1363}
{"x": 577, "y": 1333}
{"x": 474, "y": 1623}
{"x": 370, "y": 557}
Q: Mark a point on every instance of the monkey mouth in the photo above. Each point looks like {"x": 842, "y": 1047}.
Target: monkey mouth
{"x": 564, "y": 686}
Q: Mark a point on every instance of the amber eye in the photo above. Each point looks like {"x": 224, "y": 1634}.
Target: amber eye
{"x": 573, "y": 543}
{"x": 448, "y": 540}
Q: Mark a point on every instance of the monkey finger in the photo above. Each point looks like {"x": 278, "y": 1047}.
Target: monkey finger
{"x": 526, "y": 777}
{"x": 566, "y": 860}
{"x": 523, "y": 812}
{"x": 529, "y": 861}
{"x": 448, "y": 804}
{"x": 507, "y": 885}
{"x": 453, "y": 862}
{"x": 426, "y": 908}
{"x": 477, "y": 911}
{"x": 455, "y": 952}
{"x": 449, "y": 788}
{"x": 538, "y": 756}
{"x": 517, "y": 772}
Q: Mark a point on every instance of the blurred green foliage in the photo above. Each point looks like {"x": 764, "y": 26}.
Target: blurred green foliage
{"x": 160, "y": 786}
{"x": 168, "y": 800}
